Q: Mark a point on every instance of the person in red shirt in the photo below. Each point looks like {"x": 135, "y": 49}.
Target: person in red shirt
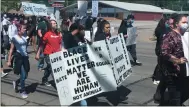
{"x": 52, "y": 43}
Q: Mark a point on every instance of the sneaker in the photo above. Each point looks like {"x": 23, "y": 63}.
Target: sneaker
{"x": 24, "y": 95}
{"x": 138, "y": 63}
{"x": 41, "y": 70}
{"x": 46, "y": 84}
{"x": 3, "y": 74}
{"x": 156, "y": 82}
{"x": 156, "y": 98}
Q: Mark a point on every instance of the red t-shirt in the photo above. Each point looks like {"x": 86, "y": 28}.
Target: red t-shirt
{"x": 52, "y": 43}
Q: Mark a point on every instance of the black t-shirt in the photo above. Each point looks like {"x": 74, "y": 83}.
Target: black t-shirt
{"x": 71, "y": 41}
{"x": 101, "y": 36}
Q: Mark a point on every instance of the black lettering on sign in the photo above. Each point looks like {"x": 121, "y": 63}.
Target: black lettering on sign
{"x": 83, "y": 81}
{"x": 97, "y": 49}
{"x": 80, "y": 68}
{"x": 120, "y": 69}
{"x": 81, "y": 74}
{"x": 78, "y": 60}
{"x": 102, "y": 63}
{"x": 57, "y": 69}
{"x": 119, "y": 58}
{"x": 61, "y": 79}
{"x": 56, "y": 59}
{"x": 92, "y": 92}
{"x": 86, "y": 87}
{"x": 119, "y": 80}
{"x": 114, "y": 40}
{"x": 77, "y": 97}
{"x": 75, "y": 51}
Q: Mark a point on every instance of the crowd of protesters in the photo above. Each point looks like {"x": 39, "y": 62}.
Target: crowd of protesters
{"x": 19, "y": 31}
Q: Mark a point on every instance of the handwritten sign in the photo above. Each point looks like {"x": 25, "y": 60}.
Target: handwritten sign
{"x": 34, "y": 9}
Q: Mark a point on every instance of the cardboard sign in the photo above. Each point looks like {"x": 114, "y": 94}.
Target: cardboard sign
{"x": 87, "y": 70}
{"x": 94, "y": 8}
{"x": 34, "y": 9}
{"x": 132, "y": 35}
{"x": 185, "y": 43}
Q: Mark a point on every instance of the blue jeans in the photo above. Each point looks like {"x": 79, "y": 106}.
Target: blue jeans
{"x": 21, "y": 80}
{"x": 83, "y": 103}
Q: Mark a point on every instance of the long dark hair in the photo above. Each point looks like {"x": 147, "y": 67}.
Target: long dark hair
{"x": 50, "y": 28}
{"x": 122, "y": 26}
{"x": 160, "y": 29}
{"x": 101, "y": 26}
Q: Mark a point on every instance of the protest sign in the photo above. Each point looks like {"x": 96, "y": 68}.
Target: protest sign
{"x": 60, "y": 78}
{"x": 86, "y": 71}
{"x": 132, "y": 34}
{"x": 185, "y": 43}
{"x": 119, "y": 58}
{"x": 34, "y": 9}
{"x": 103, "y": 70}
{"x": 94, "y": 8}
{"x": 82, "y": 7}
{"x": 88, "y": 36}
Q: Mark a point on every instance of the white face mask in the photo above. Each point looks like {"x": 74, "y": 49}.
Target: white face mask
{"x": 184, "y": 27}
{"x": 25, "y": 21}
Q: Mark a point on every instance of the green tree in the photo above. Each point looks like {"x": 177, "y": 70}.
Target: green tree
{"x": 8, "y": 5}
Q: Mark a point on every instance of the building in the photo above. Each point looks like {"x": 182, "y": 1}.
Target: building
{"x": 120, "y": 10}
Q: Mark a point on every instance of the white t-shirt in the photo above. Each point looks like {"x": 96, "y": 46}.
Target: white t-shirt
{"x": 20, "y": 44}
{"x": 5, "y": 22}
{"x": 12, "y": 31}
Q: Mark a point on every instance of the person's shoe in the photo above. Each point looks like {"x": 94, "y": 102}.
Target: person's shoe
{"x": 46, "y": 83}
{"x": 138, "y": 63}
{"x": 41, "y": 70}
{"x": 157, "y": 98}
{"x": 156, "y": 82}
{"x": 24, "y": 95}
{"x": 3, "y": 74}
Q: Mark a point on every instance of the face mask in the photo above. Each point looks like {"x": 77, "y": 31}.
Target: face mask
{"x": 25, "y": 21}
{"x": 184, "y": 27}
{"x": 167, "y": 25}
{"x": 132, "y": 21}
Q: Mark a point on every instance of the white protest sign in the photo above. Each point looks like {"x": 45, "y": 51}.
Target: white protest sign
{"x": 34, "y": 9}
{"x": 119, "y": 58}
{"x": 94, "y": 8}
{"x": 132, "y": 34}
{"x": 60, "y": 78}
{"x": 82, "y": 7}
{"x": 127, "y": 54}
{"x": 185, "y": 43}
{"x": 88, "y": 36}
{"x": 103, "y": 66}
{"x": 87, "y": 70}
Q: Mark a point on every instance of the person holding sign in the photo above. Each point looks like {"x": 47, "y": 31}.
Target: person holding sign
{"x": 174, "y": 60}
{"x": 125, "y": 24}
{"x": 72, "y": 39}
{"x": 103, "y": 31}
{"x": 52, "y": 43}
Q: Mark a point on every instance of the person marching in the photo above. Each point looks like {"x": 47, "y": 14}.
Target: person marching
{"x": 174, "y": 60}
{"x": 52, "y": 41}
{"x": 22, "y": 65}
